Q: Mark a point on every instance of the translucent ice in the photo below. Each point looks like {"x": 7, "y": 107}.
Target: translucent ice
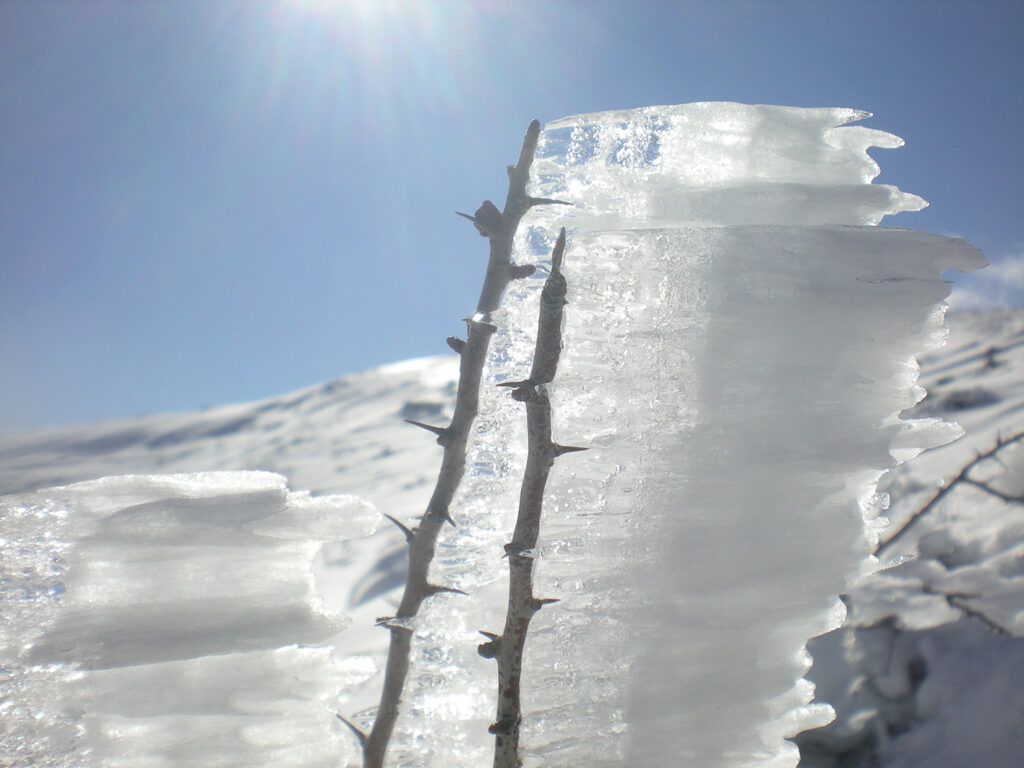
{"x": 172, "y": 620}
{"x": 738, "y": 346}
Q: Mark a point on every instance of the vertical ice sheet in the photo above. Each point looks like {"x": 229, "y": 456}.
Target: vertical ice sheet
{"x": 172, "y": 621}
{"x": 739, "y": 342}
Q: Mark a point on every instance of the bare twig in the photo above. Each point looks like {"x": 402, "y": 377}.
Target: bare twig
{"x": 958, "y": 601}
{"x": 508, "y": 647}
{"x": 962, "y": 477}
{"x": 500, "y": 229}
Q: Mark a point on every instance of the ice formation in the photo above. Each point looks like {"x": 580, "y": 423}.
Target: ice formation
{"x": 171, "y": 620}
{"x": 738, "y": 346}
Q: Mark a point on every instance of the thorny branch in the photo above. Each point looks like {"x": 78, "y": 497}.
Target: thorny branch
{"x": 507, "y": 648}
{"x": 500, "y": 229}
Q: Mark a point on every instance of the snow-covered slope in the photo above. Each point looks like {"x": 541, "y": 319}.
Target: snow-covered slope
{"x": 929, "y": 669}
{"x": 346, "y": 435}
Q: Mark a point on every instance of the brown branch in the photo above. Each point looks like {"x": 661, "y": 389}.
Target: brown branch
{"x": 508, "y": 647}
{"x": 1009, "y": 498}
{"x": 962, "y": 477}
{"x": 500, "y": 229}
{"x": 957, "y": 601}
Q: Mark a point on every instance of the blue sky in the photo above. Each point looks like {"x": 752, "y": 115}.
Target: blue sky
{"x": 213, "y": 202}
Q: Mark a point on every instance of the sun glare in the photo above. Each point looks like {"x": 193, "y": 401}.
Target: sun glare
{"x": 396, "y": 61}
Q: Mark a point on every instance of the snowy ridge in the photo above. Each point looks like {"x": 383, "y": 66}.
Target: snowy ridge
{"x": 345, "y": 435}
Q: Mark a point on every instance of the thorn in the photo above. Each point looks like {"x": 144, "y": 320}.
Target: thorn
{"x": 519, "y": 271}
{"x": 532, "y": 201}
{"x": 479, "y": 225}
{"x": 558, "y": 252}
{"x": 501, "y": 727}
{"x": 539, "y": 603}
{"x": 433, "y": 589}
{"x": 409, "y": 533}
{"x": 457, "y": 344}
{"x": 441, "y": 432}
{"x": 444, "y": 515}
{"x": 487, "y": 219}
{"x": 394, "y": 622}
{"x": 560, "y": 449}
{"x": 522, "y": 391}
{"x": 513, "y": 549}
{"x": 358, "y": 733}
{"x": 491, "y": 648}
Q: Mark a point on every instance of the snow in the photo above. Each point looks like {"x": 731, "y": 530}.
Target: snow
{"x": 740, "y": 340}
{"x": 963, "y": 703}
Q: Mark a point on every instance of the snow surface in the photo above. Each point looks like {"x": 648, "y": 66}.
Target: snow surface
{"x": 739, "y": 343}
{"x": 916, "y": 677}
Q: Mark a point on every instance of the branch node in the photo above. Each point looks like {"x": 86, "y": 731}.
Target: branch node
{"x": 479, "y": 323}
{"x": 519, "y": 271}
{"x": 504, "y": 726}
{"x": 514, "y": 550}
{"x": 487, "y": 219}
{"x": 492, "y": 647}
{"x": 457, "y": 344}
{"x": 524, "y": 393}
